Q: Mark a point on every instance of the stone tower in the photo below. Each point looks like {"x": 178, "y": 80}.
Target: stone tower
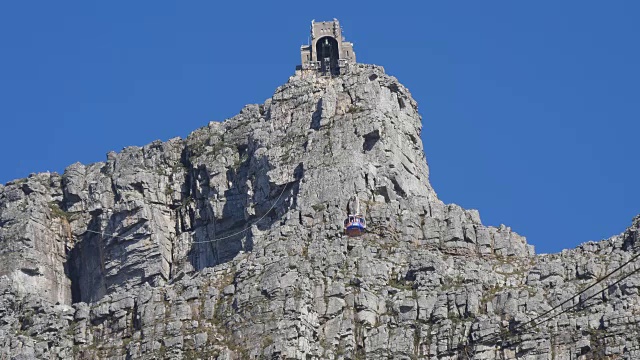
{"x": 328, "y": 52}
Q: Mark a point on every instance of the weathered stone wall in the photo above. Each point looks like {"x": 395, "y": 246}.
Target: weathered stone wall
{"x": 229, "y": 245}
{"x": 35, "y": 236}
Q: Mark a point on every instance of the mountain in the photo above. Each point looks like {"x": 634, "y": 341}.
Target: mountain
{"x": 229, "y": 245}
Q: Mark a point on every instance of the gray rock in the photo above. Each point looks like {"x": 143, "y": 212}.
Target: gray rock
{"x": 229, "y": 245}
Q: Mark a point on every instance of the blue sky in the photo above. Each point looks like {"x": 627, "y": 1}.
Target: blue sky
{"x": 530, "y": 109}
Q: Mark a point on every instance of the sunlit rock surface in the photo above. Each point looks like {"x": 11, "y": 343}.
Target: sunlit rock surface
{"x": 229, "y": 245}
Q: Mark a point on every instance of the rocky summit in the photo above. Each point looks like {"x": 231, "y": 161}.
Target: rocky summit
{"x": 229, "y": 244}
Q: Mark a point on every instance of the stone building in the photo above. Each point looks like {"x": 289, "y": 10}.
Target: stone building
{"x": 328, "y": 51}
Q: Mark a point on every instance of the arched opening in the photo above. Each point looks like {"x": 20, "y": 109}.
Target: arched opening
{"x": 328, "y": 55}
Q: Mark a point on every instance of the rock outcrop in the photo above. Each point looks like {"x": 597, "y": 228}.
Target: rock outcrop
{"x": 229, "y": 245}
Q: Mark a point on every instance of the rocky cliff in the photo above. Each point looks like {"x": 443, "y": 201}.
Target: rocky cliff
{"x": 229, "y": 245}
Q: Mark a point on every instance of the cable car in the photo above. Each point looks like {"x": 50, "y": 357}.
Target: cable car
{"x": 355, "y": 225}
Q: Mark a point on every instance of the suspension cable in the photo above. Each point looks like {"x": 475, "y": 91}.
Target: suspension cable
{"x": 212, "y": 240}
{"x": 506, "y": 335}
{"x": 534, "y": 320}
{"x": 248, "y": 227}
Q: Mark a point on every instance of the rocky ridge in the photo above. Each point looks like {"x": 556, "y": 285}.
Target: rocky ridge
{"x": 229, "y": 245}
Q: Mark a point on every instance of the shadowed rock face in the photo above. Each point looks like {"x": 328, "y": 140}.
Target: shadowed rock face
{"x": 229, "y": 245}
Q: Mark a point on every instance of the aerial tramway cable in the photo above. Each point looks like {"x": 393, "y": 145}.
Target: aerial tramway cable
{"x": 216, "y": 239}
{"x": 505, "y": 335}
{"x": 534, "y": 320}
{"x": 248, "y": 227}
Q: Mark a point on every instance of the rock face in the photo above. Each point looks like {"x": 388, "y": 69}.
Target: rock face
{"x": 229, "y": 245}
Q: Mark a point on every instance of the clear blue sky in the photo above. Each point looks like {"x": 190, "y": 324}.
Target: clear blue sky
{"x": 530, "y": 109}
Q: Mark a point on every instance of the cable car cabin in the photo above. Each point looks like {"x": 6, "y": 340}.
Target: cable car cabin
{"x": 354, "y": 225}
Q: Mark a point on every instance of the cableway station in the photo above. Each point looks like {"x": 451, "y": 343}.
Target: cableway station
{"x": 328, "y": 52}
